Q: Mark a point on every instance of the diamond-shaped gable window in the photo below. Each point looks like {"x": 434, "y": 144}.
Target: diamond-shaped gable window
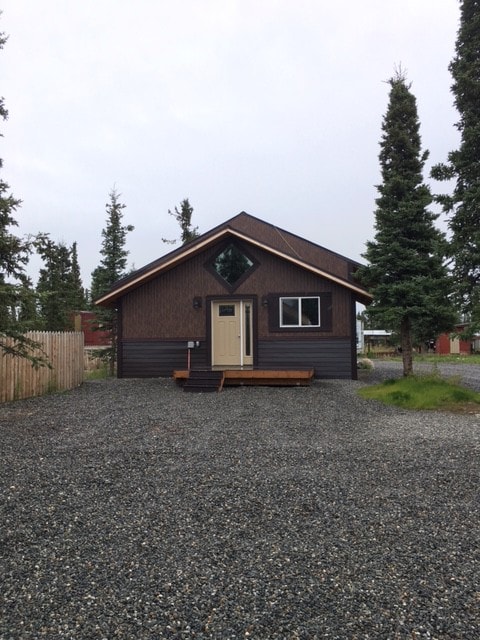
{"x": 231, "y": 264}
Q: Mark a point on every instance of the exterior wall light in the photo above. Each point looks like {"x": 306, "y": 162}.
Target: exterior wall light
{"x": 197, "y": 302}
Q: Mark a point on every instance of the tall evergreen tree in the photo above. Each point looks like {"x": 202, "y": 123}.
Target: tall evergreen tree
{"x": 184, "y": 219}
{"x": 112, "y": 266}
{"x": 463, "y": 205}
{"x": 28, "y": 308}
{"x": 406, "y": 272}
{"x": 56, "y": 294}
{"x": 15, "y": 287}
{"x": 77, "y": 298}
{"x": 13, "y": 252}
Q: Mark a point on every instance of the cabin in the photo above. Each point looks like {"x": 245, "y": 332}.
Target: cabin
{"x": 246, "y": 295}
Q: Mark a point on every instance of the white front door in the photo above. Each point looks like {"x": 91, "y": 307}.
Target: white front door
{"x": 232, "y": 333}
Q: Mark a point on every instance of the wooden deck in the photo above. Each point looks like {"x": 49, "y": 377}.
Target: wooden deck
{"x": 258, "y": 377}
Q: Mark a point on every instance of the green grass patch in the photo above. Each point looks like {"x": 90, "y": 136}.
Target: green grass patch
{"x": 424, "y": 392}
{"x": 97, "y": 374}
{"x": 431, "y": 358}
{"x": 474, "y": 358}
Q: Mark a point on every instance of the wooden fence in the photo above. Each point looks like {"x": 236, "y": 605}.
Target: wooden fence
{"x": 64, "y": 351}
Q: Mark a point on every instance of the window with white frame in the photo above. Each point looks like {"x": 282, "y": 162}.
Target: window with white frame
{"x": 300, "y": 311}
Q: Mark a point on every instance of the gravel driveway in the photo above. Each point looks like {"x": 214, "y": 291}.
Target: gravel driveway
{"x": 130, "y": 509}
{"x": 468, "y": 375}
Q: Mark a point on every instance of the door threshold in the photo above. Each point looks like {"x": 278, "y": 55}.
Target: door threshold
{"x": 232, "y": 367}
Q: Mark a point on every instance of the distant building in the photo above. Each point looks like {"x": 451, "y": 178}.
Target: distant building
{"x": 447, "y": 344}
{"x": 376, "y": 337}
{"x": 372, "y": 339}
{"x": 94, "y": 335}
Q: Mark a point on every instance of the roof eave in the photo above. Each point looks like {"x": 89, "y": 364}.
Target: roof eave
{"x": 110, "y": 298}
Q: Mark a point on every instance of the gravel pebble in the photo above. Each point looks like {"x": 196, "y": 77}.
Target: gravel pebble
{"x": 130, "y": 509}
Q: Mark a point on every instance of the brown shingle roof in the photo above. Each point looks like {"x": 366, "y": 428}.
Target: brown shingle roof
{"x": 287, "y": 245}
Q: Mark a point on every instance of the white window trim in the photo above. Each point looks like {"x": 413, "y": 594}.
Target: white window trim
{"x": 299, "y": 303}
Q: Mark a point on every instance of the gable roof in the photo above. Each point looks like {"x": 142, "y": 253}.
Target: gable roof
{"x": 296, "y": 250}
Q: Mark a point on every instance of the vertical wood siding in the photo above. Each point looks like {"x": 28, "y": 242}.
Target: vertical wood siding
{"x": 163, "y": 308}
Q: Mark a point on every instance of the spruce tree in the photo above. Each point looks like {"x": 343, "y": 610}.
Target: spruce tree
{"x": 463, "y": 165}
{"x": 406, "y": 273}
{"x": 28, "y": 308}
{"x": 77, "y": 298}
{"x": 16, "y": 292}
{"x": 57, "y": 297}
{"x": 184, "y": 219}
{"x": 13, "y": 252}
{"x": 112, "y": 267}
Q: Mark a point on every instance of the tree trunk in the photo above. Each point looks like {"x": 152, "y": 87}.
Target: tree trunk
{"x": 406, "y": 344}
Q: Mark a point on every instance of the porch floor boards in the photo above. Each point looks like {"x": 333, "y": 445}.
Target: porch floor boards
{"x": 258, "y": 377}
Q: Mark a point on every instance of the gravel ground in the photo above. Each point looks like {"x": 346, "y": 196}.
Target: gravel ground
{"x": 129, "y": 509}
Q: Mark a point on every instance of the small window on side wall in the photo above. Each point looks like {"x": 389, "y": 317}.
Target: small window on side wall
{"x": 302, "y": 311}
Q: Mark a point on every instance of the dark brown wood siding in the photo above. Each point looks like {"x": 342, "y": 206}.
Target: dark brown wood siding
{"x": 330, "y": 358}
{"x": 154, "y": 358}
{"x": 163, "y": 309}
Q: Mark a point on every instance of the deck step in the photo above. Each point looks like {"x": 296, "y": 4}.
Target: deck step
{"x": 253, "y": 377}
{"x": 204, "y": 381}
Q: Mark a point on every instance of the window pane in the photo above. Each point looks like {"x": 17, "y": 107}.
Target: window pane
{"x": 248, "y": 331}
{"x": 226, "y": 310}
{"x": 289, "y": 311}
{"x": 310, "y": 312}
{"x": 231, "y": 264}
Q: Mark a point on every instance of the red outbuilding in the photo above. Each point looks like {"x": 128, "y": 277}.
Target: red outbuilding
{"x": 446, "y": 344}
{"x": 94, "y": 335}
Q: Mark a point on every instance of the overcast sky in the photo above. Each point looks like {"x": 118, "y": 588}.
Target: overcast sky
{"x": 273, "y": 107}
